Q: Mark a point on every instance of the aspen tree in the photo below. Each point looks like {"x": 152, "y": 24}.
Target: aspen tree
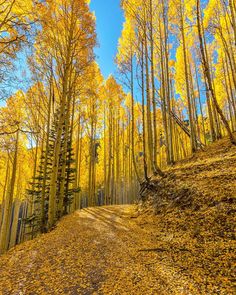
{"x": 208, "y": 75}
{"x": 9, "y": 200}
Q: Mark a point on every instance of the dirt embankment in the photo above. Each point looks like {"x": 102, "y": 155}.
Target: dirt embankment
{"x": 195, "y": 208}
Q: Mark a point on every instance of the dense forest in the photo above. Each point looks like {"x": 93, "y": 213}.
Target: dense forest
{"x": 71, "y": 139}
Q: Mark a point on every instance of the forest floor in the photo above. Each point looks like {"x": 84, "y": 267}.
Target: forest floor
{"x": 187, "y": 247}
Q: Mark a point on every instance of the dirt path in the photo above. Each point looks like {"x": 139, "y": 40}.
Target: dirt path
{"x": 94, "y": 251}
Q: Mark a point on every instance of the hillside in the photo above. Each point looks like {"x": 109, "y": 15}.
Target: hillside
{"x": 186, "y": 247}
{"x": 195, "y": 209}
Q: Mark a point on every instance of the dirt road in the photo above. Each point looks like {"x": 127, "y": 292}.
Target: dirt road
{"x": 94, "y": 251}
{"x": 108, "y": 250}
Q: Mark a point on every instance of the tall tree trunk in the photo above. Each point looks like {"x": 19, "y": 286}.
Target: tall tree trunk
{"x": 45, "y": 164}
{"x": 133, "y": 120}
{"x": 208, "y": 76}
{"x": 145, "y": 167}
{"x": 190, "y": 109}
{"x": 155, "y": 166}
{"x": 200, "y": 104}
{"x": 8, "y": 201}
{"x": 149, "y": 115}
{"x": 167, "y": 84}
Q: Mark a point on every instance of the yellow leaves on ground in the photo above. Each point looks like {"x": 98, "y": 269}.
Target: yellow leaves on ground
{"x": 119, "y": 250}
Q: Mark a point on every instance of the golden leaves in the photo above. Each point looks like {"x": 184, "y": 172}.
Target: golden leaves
{"x": 119, "y": 250}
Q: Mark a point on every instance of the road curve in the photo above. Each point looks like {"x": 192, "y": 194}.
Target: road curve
{"x": 102, "y": 250}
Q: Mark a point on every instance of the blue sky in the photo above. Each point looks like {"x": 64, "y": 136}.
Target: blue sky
{"x": 109, "y": 23}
